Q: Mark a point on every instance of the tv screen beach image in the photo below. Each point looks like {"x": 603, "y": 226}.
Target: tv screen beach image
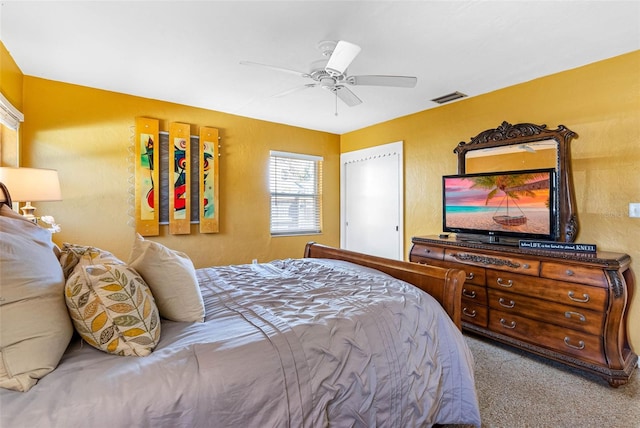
{"x": 513, "y": 202}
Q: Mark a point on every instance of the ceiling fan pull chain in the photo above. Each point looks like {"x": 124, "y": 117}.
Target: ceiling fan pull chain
{"x": 336, "y": 92}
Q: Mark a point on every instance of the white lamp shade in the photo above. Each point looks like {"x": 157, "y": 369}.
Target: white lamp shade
{"x": 31, "y": 184}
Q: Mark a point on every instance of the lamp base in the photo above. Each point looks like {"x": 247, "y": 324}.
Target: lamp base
{"x": 27, "y": 212}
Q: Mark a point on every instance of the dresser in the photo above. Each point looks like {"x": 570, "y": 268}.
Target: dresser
{"x": 567, "y": 307}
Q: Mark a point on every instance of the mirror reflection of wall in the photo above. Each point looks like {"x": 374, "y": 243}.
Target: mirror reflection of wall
{"x": 538, "y": 154}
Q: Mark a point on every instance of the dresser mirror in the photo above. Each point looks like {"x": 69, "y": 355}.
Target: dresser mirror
{"x": 521, "y": 147}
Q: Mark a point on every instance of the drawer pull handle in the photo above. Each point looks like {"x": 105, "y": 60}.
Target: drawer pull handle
{"x": 570, "y": 314}
{"x": 470, "y": 276}
{"x": 507, "y": 284}
{"x": 526, "y": 266}
{"x": 570, "y": 272}
{"x": 580, "y": 345}
{"x": 471, "y": 314}
{"x": 585, "y": 297}
{"x": 509, "y": 305}
{"x": 470, "y": 294}
{"x": 511, "y": 325}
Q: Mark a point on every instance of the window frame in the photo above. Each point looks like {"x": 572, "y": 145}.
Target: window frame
{"x": 9, "y": 115}
{"x": 309, "y": 200}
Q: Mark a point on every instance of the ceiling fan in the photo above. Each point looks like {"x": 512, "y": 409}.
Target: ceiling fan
{"x": 331, "y": 73}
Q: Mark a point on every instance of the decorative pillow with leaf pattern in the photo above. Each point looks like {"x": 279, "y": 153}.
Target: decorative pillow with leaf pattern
{"x": 72, "y": 255}
{"x": 113, "y": 309}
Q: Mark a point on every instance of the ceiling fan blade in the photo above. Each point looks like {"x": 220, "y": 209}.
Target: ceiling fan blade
{"x": 342, "y": 56}
{"x": 296, "y": 89}
{"x": 348, "y": 97}
{"x": 274, "y": 67}
{"x": 394, "y": 81}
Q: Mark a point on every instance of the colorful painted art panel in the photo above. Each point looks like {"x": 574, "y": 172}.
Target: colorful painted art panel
{"x": 209, "y": 187}
{"x": 146, "y": 170}
{"x": 180, "y": 179}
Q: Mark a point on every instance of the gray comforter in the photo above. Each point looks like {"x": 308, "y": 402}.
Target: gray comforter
{"x": 292, "y": 343}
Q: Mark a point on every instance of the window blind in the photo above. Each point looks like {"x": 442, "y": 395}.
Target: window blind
{"x": 295, "y": 182}
{"x": 9, "y": 115}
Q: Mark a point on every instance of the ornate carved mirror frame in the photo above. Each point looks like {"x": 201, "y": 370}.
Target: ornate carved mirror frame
{"x": 521, "y": 146}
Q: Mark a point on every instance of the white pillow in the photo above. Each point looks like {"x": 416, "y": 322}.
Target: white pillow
{"x": 35, "y": 328}
{"x": 171, "y": 277}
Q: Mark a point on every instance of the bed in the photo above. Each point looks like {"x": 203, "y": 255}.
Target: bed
{"x": 334, "y": 338}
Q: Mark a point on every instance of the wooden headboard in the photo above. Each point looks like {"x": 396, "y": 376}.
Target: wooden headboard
{"x": 5, "y": 197}
{"x": 445, "y": 285}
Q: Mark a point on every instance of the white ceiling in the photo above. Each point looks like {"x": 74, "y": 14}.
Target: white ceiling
{"x": 189, "y": 52}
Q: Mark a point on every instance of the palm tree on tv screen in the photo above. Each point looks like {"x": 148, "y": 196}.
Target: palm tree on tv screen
{"x": 512, "y": 187}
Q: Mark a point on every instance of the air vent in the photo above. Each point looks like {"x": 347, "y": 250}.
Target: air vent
{"x": 449, "y": 97}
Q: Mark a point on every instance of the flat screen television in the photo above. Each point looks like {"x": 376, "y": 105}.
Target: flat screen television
{"x": 510, "y": 204}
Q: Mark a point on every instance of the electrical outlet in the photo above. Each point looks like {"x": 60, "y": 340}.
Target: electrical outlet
{"x": 634, "y": 210}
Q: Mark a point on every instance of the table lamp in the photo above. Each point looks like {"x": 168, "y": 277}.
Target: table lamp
{"x": 31, "y": 185}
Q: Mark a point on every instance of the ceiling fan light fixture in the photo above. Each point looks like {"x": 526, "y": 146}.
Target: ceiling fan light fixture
{"x": 449, "y": 97}
{"x": 327, "y": 83}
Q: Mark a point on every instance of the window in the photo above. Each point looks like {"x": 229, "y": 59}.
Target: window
{"x": 10, "y": 119}
{"x": 9, "y": 115}
{"x": 295, "y": 183}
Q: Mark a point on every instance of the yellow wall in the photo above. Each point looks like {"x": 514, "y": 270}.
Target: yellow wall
{"x": 10, "y": 78}
{"x": 600, "y": 102}
{"x": 11, "y": 88}
{"x": 86, "y": 134}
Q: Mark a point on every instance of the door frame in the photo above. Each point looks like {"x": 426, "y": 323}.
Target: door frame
{"x": 368, "y": 153}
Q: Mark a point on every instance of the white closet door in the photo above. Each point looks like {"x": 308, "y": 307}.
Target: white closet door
{"x": 371, "y": 209}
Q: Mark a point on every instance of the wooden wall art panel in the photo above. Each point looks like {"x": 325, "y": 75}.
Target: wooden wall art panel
{"x": 179, "y": 179}
{"x": 209, "y": 184}
{"x": 146, "y": 177}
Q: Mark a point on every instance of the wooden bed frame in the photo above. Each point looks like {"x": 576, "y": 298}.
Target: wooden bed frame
{"x": 5, "y": 197}
{"x": 445, "y": 285}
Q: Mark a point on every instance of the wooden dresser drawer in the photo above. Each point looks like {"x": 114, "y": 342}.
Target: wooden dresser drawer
{"x": 505, "y": 263}
{"x": 427, "y": 251}
{"x": 573, "y": 273}
{"x": 549, "y": 312}
{"x": 474, "y": 313}
{"x": 577, "y": 295}
{"x": 474, "y": 293}
{"x": 569, "y": 342}
{"x": 473, "y": 274}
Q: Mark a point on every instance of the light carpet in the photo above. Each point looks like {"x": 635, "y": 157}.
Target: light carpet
{"x": 516, "y": 389}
